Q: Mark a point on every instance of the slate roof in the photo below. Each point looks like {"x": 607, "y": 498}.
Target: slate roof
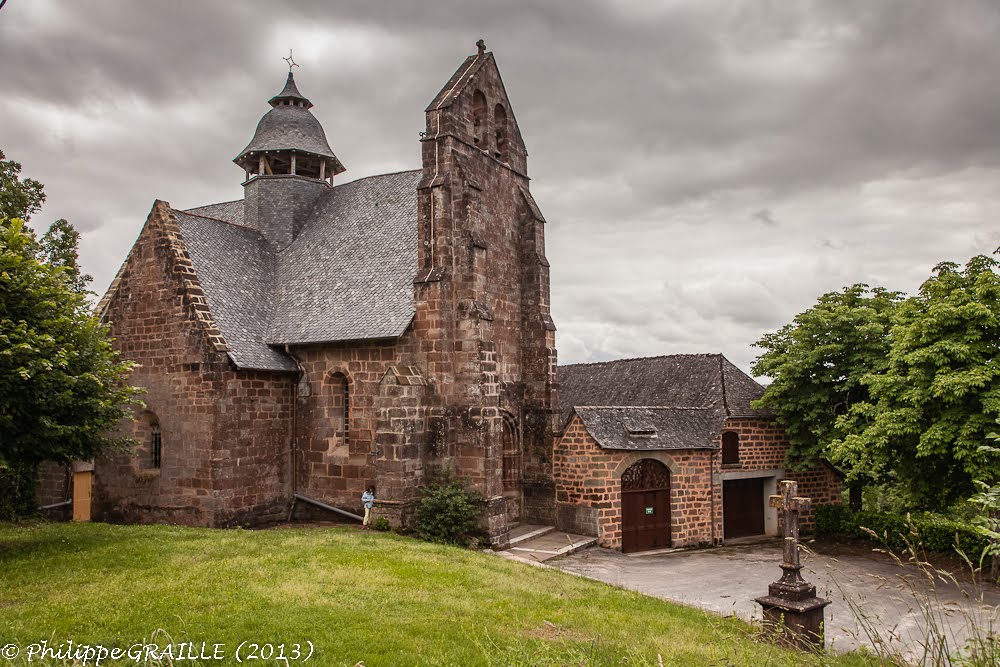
{"x": 350, "y": 276}
{"x": 229, "y": 211}
{"x": 290, "y": 92}
{"x": 292, "y": 127}
{"x": 653, "y": 428}
{"x": 684, "y": 389}
{"x": 347, "y": 276}
{"x": 236, "y": 269}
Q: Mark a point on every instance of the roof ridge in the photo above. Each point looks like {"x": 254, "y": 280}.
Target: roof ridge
{"x": 659, "y": 356}
{"x": 225, "y": 222}
{"x": 644, "y": 407}
{"x": 722, "y": 381}
{"x": 365, "y": 178}
{"x": 231, "y": 201}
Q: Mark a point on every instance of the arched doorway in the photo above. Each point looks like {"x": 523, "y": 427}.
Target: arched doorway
{"x": 645, "y": 506}
{"x": 512, "y": 474}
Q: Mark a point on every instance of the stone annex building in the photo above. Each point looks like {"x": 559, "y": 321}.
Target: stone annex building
{"x": 315, "y": 337}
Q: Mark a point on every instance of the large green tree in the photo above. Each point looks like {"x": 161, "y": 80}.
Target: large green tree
{"x": 63, "y": 388}
{"x": 817, "y": 364}
{"x": 895, "y": 391}
{"x": 932, "y": 406}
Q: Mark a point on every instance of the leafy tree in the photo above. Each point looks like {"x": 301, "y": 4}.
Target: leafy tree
{"x": 19, "y": 198}
{"x": 817, "y": 364}
{"x": 59, "y": 248}
{"x": 933, "y": 403}
{"x": 62, "y": 385}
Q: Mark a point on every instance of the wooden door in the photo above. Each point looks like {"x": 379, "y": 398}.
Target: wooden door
{"x": 82, "y": 491}
{"x": 743, "y": 507}
{"x": 645, "y": 506}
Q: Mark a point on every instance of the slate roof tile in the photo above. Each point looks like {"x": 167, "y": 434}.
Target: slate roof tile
{"x": 349, "y": 273}
{"x": 229, "y": 211}
{"x": 681, "y": 395}
{"x": 347, "y": 276}
{"x": 236, "y": 270}
{"x": 653, "y": 428}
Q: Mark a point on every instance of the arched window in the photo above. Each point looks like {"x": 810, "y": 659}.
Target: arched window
{"x": 156, "y": 443}
{"x": 500, "y": 125}
{"x": 479, "y": 118}
{"x": 340, "y": 406}
{"x": 730, "y": 448}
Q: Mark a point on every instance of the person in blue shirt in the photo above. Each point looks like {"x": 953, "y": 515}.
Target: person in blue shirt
{"x": 368, "y": 500}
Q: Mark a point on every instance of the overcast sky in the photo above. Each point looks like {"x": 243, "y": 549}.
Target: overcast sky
{"x": 707, "y": 168}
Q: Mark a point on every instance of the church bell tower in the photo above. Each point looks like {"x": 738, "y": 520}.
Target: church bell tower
{"x": 288, "y": 164}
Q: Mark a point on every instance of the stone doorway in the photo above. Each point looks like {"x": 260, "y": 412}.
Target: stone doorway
{"x": 510, "y": 438}
{"x": 645, "y": 506}
{"x": 743, "y": 507}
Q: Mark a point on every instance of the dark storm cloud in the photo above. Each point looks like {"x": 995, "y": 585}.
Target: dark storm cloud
{"x": 708, "y": 167}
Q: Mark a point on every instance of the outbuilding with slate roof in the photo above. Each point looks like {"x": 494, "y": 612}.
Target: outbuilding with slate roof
{"x": 315, "y": 337}
{"x": 670, "y": 452}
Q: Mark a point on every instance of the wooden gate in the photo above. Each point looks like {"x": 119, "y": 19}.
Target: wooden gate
{"x": 743, "y": 507}
{"x": 645, "y": 506}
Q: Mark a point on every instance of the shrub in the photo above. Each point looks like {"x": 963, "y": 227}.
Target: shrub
{"x": 936, "y": 533}
{"x": 17, "y": 491}
{"x": 381, "y": 524}
{"x": 449, "y": 511}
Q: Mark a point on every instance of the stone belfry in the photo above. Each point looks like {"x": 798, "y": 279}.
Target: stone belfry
{"x": 482, "y": 296}
{"x": 288, "y": 164}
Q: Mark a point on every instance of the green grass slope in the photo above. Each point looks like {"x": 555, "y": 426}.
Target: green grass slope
{"x": 377, "y": 598}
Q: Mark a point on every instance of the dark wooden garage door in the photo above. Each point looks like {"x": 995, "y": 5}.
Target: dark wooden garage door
{"x": 646, "y": 506}
{"x": 743, "y": 507}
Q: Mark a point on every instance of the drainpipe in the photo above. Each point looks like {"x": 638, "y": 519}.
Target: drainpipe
{"x": 294, "y": 447}
{"x": 55, "y": 505}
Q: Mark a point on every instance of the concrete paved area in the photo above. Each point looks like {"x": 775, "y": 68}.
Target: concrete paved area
{"x": 859, "y": 582}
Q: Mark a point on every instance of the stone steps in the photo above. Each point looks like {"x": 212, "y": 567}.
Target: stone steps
{"x": 541, "y": 543}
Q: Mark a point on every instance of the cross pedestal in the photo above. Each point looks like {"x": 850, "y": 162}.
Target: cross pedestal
{"x": 791, "y": 606}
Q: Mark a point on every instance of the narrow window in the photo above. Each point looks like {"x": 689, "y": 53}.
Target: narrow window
{"x": 156, "y": 443}
{"x": 338, "y": 406}
{"x": 347, "y": 413}
{"x": 500, "y": 123}
{"x": 730, "y": 448}
{"x": 478, "y": 118}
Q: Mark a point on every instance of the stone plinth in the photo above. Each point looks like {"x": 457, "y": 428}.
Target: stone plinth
{"x": 791, "y": 607}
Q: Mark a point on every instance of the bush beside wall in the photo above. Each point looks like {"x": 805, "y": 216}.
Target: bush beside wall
{"x": 933, "y": 532}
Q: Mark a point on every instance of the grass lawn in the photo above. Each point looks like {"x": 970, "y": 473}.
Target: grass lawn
{"x": 380, "y": 598}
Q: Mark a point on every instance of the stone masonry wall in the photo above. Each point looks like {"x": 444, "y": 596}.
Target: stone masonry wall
{"x": 482, "y": 298}
{"x": 588, "y": 489}
{"x": 588, "y": 482}
{"x": 215, "y": 469}
{"x": 763, "y": 445}
{"x": 330, "y": 467}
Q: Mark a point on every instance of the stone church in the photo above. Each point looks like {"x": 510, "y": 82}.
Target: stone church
{"x": 315, "y": 337}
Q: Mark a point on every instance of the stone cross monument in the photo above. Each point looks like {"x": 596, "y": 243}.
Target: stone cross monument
{"x": 791, "y": 605}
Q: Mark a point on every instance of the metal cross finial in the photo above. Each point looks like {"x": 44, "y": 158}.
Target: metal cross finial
{"x": 481, "y": 45}
{"x": 291, "y": 61}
